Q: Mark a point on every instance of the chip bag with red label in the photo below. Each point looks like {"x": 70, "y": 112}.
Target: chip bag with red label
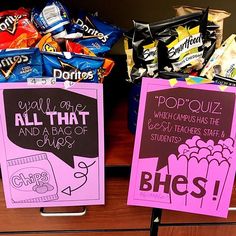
{"x": 78, "y": 48}
{"x": 16, "y": 30}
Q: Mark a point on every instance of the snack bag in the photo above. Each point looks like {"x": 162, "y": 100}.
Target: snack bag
{"x": 142, "y": 56}
{"x": 180, "y": 45}
{"x": 106, "y": 68}
{"x": 78, "y": 48}
{"x": 223, "y": 61}
{"x": 76, "y": 67}
{"x": 51, "y": 18}
{"x": 18, "y": 65}
{"x": 214, "y": 15}
{"x": 19, "y": 42}
{"x": 182, "y": 42}
{"x": 129, "y": 58}
{"x": 225, "y": 81}
{"x": 16, "y": 30}
{"x": 48, "y": 44}
{"x": 98, "y": 36}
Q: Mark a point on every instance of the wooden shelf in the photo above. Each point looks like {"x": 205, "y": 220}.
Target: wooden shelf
{"x": 114, "y": 215}
{"x": 118, "y": 139}
{"x": 181, "y": 217}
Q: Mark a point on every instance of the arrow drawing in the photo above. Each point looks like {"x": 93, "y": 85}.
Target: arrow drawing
{"x": 78, "y": 175}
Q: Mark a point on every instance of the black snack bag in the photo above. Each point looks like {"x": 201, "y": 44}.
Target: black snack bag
{"x": 180, "y": 44}
{"x": 211, "y": 41}
{"x": 141, "y": 49}
{"x": 224, "y": 80}
{"x": 182, "y": 41}
{"x": 170, "y": 75}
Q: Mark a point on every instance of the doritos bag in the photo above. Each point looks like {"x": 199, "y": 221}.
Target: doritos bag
{"x": 98, "y": 36}
{"x": 18, "y": 65}
{"x": 76, "y": 67}
{"x": 16, "y": 30}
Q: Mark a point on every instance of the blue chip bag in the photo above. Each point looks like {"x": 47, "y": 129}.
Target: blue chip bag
{"x": 98, "y": 36}
{"x": 20, "y": 64}
{"x": 72, "y": 67}
{"x": 52, "y": 18}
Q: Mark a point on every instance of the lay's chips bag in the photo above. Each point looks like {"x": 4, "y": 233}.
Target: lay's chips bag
{"x": 16, "y": 30}
{"x": 20, "y": 64}
{"x": 76, "y": 67}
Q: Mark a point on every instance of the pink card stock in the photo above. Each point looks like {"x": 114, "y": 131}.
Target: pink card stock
{"x": 52, "y": 144}
{"x": 184, "y": 155}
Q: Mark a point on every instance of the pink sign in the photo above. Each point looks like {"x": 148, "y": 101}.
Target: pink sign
{"x": 184, "y": 154}
{"x": 52, "y": 142}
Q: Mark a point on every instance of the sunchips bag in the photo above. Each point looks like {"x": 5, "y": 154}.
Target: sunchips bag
{"x": 16, "y": 30}
{"x": 75, "y": 67}
{"x": 18, "y": 65}
{"x": 214, "y": 15}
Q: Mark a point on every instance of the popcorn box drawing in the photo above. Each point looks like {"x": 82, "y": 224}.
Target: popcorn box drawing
{"x": 52, "y": 142}
{"x": 184, "y": 153}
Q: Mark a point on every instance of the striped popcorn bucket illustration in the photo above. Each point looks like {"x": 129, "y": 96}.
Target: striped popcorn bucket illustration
{"x": 205, "y": 165}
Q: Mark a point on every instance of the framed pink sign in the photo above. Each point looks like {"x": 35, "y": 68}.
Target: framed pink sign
{"x": 184, "y": 154}
{"x": 52, "y": 142}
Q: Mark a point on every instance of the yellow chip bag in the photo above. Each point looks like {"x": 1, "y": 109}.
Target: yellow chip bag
{"x": 48, "y": 44}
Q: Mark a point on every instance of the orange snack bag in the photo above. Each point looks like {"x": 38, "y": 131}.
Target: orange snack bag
{"x": 48, "y": 44}
{"x": 16, "y": 30}
{"x": 78, "y": 48}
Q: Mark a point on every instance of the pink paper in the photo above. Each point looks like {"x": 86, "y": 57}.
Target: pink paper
{"x": 184, "y": 153}
{"x": 52, "y": 142}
